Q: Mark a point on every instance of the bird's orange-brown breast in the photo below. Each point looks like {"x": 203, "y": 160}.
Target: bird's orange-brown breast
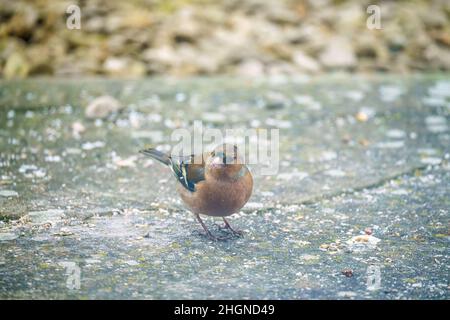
{"x": 219, "y": 197}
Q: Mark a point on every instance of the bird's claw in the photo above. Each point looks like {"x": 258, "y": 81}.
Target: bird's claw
{"x": 224, "y": 227}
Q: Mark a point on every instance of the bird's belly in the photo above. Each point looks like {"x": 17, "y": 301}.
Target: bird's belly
{"x": 219, "y": 199}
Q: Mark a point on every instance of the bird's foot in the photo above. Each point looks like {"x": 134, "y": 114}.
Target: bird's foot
{"x": 229, "y": 228}
{"x": 208, "y": 233}
{"x": 212, "y": 237}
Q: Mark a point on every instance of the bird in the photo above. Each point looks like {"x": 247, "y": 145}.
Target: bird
{"x": 215, "y": 183}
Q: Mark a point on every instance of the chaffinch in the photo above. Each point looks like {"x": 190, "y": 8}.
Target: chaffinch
{"x": 214, "y": 183}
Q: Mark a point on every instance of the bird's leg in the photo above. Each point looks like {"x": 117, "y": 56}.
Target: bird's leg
{"x": 236, "y": 232}
{"x": 208, "y": 233}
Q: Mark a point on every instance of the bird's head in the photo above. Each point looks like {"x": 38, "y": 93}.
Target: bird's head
{"x": 224, "y": 161}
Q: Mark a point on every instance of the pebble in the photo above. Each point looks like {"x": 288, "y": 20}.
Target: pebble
{"x": 92, "y": 145}
{"x": 362, "y": 116}
{"x": 309, "y": 258}
{"x": 214, "y": 117}
{"x": 436, "y": 124}
{"x": 400, "y": 192}
{"x": 77, "y": 129}
{"x": 305, "y": 62}
{"x": 355, "y": 95}
{"x": 281, "y": 124}
{"x": 335, "y": 173}
{"x": 391, "y": 144}
{"x": 347, "y": 294}
{"x": 347, "y": 272}
{"x": 390, "y": 93}
{"x": 32, "y": 171}
{"x": 338, "y": 54}
{"x": 362, "y": 242}
{"x": 47, "y": 216}
{"x": 101, "y": 107}
{"x": 55, "y": 158}
{"x": 254, "y": 205}
{"x": 431, "y": 160}
{"x": 131, "y": 262}
{"x": 434, "y": 101}
{"x": 8, "y": 193}
{"x": 440, "y": 89}
{"x": 92, "y": 261}
{"x": 63, "y": 232}
{"x": 396, "y": 134}
{"x": 7, "y": 236}
{"x": 129, "y": 162}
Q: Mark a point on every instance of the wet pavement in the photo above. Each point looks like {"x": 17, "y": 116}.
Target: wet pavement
{"x": 359, "y": 208}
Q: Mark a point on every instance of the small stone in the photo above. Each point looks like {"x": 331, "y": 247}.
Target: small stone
{"x": 251, "y": 68}
{"x": 92, "y": 261}
{"x": 368, "y": 231}
{"x": 347, "y": 294}
{"x": 77, "y": 129}
{"x": 440, "y": 89}
{"x": 254, "y": 205}
{"x": 363, "y": 238}
{"x": 435, "y": 120}
{"x": 31, "y": 171}
{"x": 305, "y": 62}
{"x": 124, "y": 67}
{"x": 364, "y": 142}
{"x": 131, "y": 262}
{"x": 51, "y": 158}
{"x": 400, "y": 192}
{"x": 309, "y": 259}
{"x": 390, "y": 93}
{"x": 396, "y": 134}
{"x": 16, "y": 66}
{"x": 92, "y": 145}
{"x": 347, "y": 272}
{"x": 115, "y": 65}
{"x": 335, "y": 173}
{"x": 44, "y": 217}
{"x": 436, "y": 124}
{"x": 7, "y": 236}
{"x": 431, "y": 161}
{"x": 101, "y": 107}
{"x": 8, "y": 193}
{"x": 129, "y": 162}
{"x": 362, "y": 242}
{"x": 281, "y": 124}
{"x": 362, "y": 116}
{"x": 214, "y": 117}
{"x": 338, "y": 54}
{"x": 391, "y": 144}
{"x": 64, "y": 232}
{"x": 355, "y": 95}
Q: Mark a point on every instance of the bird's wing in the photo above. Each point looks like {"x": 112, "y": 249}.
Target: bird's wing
{"x": 189, "y": 170}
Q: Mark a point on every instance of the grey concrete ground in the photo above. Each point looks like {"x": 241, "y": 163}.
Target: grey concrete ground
{"x": 359, "y": 208}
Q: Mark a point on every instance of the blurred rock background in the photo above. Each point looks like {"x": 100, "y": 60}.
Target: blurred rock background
{"x": 137, "y": 38}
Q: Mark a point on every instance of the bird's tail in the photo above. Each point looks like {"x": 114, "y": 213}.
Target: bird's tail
{"x": 157, "y": 155}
